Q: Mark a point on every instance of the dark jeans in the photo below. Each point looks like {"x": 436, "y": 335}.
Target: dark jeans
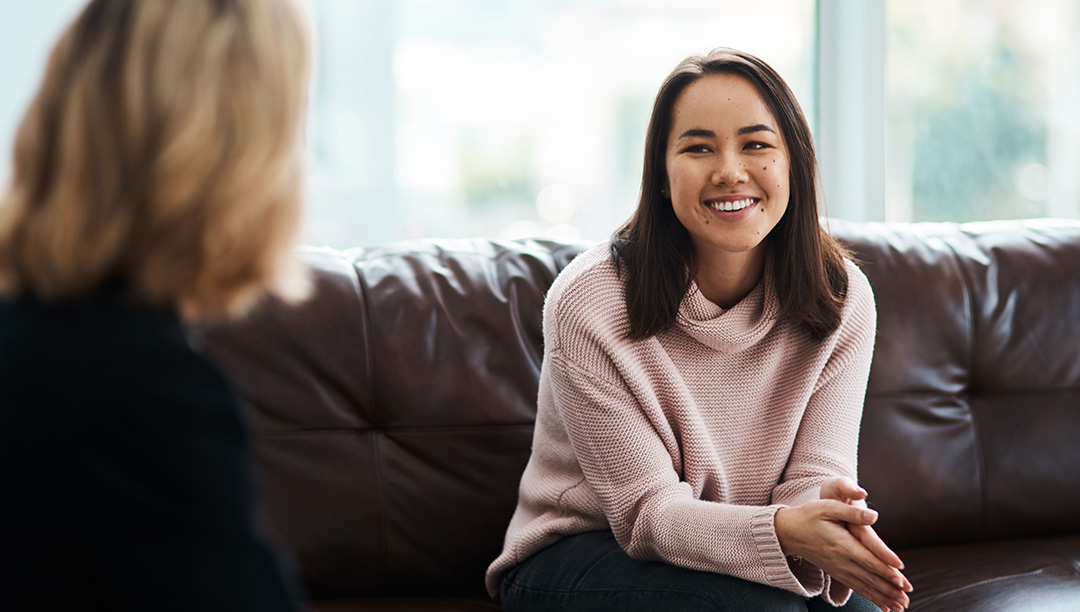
{"x": 590, "y": 571}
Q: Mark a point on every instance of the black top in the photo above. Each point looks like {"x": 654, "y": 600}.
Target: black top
{"x": 125, "y": 468}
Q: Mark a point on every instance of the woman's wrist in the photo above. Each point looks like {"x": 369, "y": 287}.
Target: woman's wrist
{"x": 783, "y": 527}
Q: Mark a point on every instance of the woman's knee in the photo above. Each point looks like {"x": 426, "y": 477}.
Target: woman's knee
{"x": 668, "y": 599}
{"x": 591, "y": 572}
{"x": 856, "y": 603}
{"x": 737, "y": 594}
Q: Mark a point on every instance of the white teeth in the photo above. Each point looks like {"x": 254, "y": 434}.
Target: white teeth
{"x": 735, "y": 205}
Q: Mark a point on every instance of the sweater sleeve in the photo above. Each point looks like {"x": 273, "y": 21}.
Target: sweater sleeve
{"x": 827, "y": 441}
{"x": 621, "y": 444}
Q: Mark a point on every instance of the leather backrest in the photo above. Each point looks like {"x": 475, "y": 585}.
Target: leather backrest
{"x": 393, "y": 411}
{"x": 971, "y": 429}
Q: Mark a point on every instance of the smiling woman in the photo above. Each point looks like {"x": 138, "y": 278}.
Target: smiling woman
{"x": 703, "y": 381}
{"x": 657, "y": 240}
{"x": 727, "y": 177}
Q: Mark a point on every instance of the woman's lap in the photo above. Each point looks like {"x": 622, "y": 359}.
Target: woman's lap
{"x": 590, "y": 571}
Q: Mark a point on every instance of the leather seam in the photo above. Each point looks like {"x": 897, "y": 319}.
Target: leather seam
{"x": 381, "y": 504}
{"x": 513, "y": 296}
{"x": 980, "y": 461}
{"x": 365, "y": 324}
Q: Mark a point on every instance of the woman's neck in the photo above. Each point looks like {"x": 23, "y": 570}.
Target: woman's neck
{"x": 726, "y": 278}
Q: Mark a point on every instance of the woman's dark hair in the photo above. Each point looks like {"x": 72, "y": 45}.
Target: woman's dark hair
{"x": 653, "y": 252}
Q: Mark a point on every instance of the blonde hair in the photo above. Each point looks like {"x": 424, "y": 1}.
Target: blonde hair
{"x": 164, "y": 151}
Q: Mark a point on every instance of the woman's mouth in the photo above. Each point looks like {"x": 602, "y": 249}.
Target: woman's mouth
{"x": 730, "y": 205}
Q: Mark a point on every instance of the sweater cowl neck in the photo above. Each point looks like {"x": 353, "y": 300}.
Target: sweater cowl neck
{"x": 736, "y": 328}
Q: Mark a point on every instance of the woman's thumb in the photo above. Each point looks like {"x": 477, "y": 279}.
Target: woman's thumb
{"x": 842, "y": 488}
{"x": 865, "y": 516}
{"x": 856, "y": 515}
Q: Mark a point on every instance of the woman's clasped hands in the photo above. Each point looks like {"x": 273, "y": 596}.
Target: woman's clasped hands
{"x": 836, "y": 535}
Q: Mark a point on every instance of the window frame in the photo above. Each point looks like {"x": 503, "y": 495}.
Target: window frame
{"x": 850, "y": 118}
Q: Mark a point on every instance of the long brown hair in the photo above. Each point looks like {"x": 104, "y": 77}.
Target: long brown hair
{"x": 653, "y": 250}
{"x": 164, "y": 152}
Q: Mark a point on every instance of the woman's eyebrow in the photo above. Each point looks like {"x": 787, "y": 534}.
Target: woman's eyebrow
{"x": 697, "y": 132}
{"x": 750, "y": 129}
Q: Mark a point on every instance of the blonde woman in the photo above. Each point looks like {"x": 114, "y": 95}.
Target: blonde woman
{"x": 157, "y": 181}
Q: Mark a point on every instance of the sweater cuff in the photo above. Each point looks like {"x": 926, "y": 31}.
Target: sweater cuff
{"x": 778, "y": 571}
{"x": 835, "y": 593}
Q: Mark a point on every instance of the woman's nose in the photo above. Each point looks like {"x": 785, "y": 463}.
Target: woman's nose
{"x": 729, "y": 170}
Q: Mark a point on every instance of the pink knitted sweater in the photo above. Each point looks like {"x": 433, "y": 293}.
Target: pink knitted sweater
{"x": 687, "y": 443}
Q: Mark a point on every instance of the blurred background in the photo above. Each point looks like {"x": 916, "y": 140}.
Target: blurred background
{"x": 515, "y": 118}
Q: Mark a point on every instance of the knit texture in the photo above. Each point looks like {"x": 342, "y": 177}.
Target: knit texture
{"x": 687, "y": 443}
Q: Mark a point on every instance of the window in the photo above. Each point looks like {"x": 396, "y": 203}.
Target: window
{"x": 982, "y": 109}
{"x": 508, "y": 118}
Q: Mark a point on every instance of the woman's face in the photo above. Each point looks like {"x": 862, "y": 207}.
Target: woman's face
{"x": 727, "y": 167}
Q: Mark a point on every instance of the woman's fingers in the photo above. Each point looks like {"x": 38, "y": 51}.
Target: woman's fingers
{"x": 888, "y": 574}
{"x": 880, "y": 599}
{"x": 845, "y": 513}
{"x": 873, "y": 562}
{"x": 885, "y": 562}
{"x": 883, "y": 582}
{"x": 878, "y": 580}
{"x": 887, "y": 577}
{"x": 876, "y": 545}
{"x": 877, "y": 591}
{"x": 826, "y": 533}
{"x": 842, "y": 489}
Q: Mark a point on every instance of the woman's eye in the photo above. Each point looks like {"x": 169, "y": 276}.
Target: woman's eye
{"x": 697, "y": 149}
{"x": 756, "y": 145}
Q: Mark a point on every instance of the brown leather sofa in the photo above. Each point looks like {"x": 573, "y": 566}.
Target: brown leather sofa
{"x": 394, "y": 411}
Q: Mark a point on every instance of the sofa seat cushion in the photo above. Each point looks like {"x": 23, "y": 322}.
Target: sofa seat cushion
{"x": 1008, "y": 576}
{"x": 405, "y": 604}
